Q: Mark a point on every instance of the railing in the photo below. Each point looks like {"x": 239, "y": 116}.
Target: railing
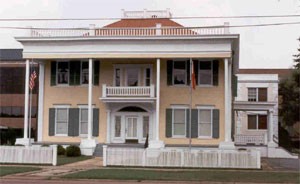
{"x": 242, "y": 139}
{"x": 180, "y": 158}
{"x": 147, "y": 14}
{"x": 131, "y": 32}
{"x": 28, "y": 155}
{"x": 127, "y": 91}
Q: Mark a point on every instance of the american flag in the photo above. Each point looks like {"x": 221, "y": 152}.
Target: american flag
{"x": 32, "y": 78}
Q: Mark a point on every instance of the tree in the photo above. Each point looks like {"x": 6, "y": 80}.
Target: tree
{"x": 297, "y": 58}
{"x": 289, "y": 89}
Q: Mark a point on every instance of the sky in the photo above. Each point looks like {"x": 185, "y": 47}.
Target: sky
{"x": 260, "y": 47}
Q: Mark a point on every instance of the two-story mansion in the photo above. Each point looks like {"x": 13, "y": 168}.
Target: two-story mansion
{"x": 119, "y": 83}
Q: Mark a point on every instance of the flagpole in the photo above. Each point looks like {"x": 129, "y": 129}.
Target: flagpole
{"x": 30, "y": 106}
{"x": 190, "y": 114}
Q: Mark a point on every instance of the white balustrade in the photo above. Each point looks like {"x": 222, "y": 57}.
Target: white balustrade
{"x": 181, "y": 157}
{"x": 127, "y": 91}
{"x": 242, "y": 139}
{"x": 140, "y": 31}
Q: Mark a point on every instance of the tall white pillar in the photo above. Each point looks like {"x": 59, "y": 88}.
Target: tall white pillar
{"x": 25, "y": 140}
{"x": 157, "y": 99}
{"x": 156, "y": 143}
{"x": 271, "y": 143}
{"x": 41, "y": 101}
{"x": 227, "y": 144}
{"x": 26, "y": 100}
{"x": 87, "y": 146}
{"x": 90, "y": 119}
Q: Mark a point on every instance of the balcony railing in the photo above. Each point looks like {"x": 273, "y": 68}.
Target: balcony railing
{"x": 129, "y": 32}
{"x": 128, "y": 91}
{"x": 241, "y": 139}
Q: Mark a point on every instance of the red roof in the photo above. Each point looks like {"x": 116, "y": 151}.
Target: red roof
{"x": 165, "y": 22}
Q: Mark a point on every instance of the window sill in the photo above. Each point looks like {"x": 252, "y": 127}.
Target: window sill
{"x": 61, "y": 135}
{"x": 204, "y": 137}
{"x": 179, "y": 137}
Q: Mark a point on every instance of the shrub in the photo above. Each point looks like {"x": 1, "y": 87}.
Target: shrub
{"x": 60, "y": 150}
{"x": 73, "y": 151}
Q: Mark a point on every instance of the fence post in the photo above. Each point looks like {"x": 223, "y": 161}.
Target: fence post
{"x": 104, "y": 155}
{"x": 219, "y": 158}
{"x": 54, "y": 155}
{"x": 152, "y": 91}
{"x": 258, "y": 166}
{"x": 182, "y": 158}
{"x": 144, "y": 158}
{"x": 158, "y": 29}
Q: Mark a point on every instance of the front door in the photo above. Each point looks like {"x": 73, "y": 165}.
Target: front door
{"x": 131, "y": 128}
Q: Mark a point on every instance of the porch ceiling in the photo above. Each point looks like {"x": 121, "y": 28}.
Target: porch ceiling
{"x": 253, "y": 106}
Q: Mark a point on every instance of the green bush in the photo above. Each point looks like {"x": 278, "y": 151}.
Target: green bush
{"x": 73, "y": 151}
{"x": 60, "y": 150}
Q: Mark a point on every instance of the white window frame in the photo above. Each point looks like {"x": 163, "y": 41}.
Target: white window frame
{"x": 55, "y": 123}
{"x": 212, "y": 74}
{"x": 176, "y": 107}
{"x": 57, "y": 73}
{"x": 81, "y": 134}
{"x": 114, "y": 127}
{"x": 81, "y": 73}
{"x": 84, "y": 107}
{"x": 257, "y": 122}
{"x": 143, "y": 126}
{"x": 185, "y": 78}
{"x": 115, "y": 75}
{"x": 256, "y": 93}
{"x": 211, "y": 108}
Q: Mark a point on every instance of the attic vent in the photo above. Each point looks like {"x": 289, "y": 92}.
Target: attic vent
{"x": 154, "y": 16}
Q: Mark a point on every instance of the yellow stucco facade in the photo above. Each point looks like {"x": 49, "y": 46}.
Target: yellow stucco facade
{"x": 169, "y": 95}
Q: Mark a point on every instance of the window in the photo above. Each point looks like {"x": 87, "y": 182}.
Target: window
{"x": 179, "y": 122}
{"x": 205, "y": 73}
{"x": 15, "y": 112}
{"x": 62, "y": 72}
{"x": 132, "y": 76}
{"x": 257, "y": 94}
{"x": 117, "y": 77}
{"x": 147, "y": 77}
{"x": 117, "y": 126}
{"x": 145, "y": 126}
{"x": 179, "y": 73}
{"x": 205, "y": 123}
{"x": 84, "y": 72}
{"x": 83, "y": 123}
{"x": 61, "y": 121}
{"x": 257, "y": 122}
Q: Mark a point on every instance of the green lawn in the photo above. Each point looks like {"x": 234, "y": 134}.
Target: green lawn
{"x": 62, "y": 160}
{"x": 200, "y": 175}
{"x": 6, "y": 170}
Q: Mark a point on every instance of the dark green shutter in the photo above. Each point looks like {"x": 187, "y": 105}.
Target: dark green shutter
{"x": 234, "y": 85}
{"x": 53, "y": 73}
{"x": 73, "y": 124}
{"x": 188, "y": 75}
{"x": 51, "y": 121}
{"x": 215, "y": 72}
{"x": 169, "y": 72}
{"x": 96, "y": 73}
{"x": 95, "y": 122}
{"x": 196, "y": 70}
{"x": 194, "y": 123}
{"x": 75, "y": 73}
{"x": 168, "y": 122}
{"x": 216, "y": 123}
{"x": 187, "y": 123}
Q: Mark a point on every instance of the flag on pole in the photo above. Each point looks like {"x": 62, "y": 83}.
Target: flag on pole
{"x": 193, "y": 77}
{"x": 32, "y": 79}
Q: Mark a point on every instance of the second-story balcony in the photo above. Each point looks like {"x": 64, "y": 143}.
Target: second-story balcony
{"x": 128, "y": 93}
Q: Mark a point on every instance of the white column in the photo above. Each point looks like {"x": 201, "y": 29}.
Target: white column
{"x": 108, "y": 126}
{"x": 271, "y": 143}
{"x": 26, "y": 100}
{"x": 90, "y": 120}
{"x": 157, "y": 99}
{"x": 227, "y": 144}
{"x": 41, "y": 101}
{"x": 156, "y": 143}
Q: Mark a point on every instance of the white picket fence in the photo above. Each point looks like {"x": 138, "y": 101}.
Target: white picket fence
{"x": 242, "y": 139}
{"x": 28, "y": 155}
{"x": 181, "y": 158}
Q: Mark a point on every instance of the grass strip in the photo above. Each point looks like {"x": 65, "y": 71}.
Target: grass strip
{"x": 7, "y": 170}
{"x": 62, "y": 160}
{"x": 201, "y": 175}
